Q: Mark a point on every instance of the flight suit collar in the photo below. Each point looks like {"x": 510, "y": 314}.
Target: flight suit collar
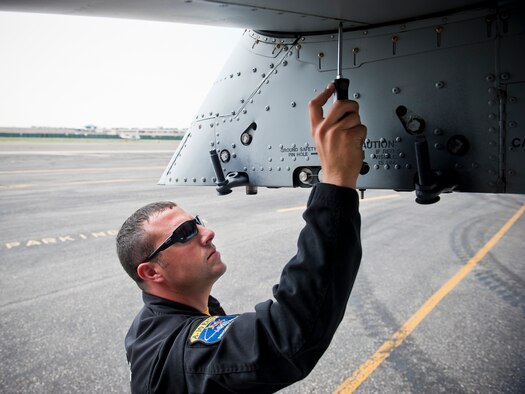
{"x": 164, "y": 306}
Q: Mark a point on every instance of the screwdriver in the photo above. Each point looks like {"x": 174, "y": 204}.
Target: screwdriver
{"x": 342, "y": 84}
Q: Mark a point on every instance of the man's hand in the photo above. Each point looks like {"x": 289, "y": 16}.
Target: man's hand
{"x": 338, "y": 138}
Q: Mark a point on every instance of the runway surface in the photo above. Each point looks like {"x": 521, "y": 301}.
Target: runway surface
{"x": 438, "y": 304}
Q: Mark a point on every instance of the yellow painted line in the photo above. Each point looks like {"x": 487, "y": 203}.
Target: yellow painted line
{"x": 303, "y": 207}
{"x": 370, "y": 365}
{"x": 79, "y": 170}
{"x": 377, "y": 198}
{"x": 120, "y": 180}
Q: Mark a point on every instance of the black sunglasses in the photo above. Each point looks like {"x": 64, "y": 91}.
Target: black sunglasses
{"x": 181, "y": 234}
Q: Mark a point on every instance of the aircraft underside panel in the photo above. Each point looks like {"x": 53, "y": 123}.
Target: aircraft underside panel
{"x": 442, "y": 100}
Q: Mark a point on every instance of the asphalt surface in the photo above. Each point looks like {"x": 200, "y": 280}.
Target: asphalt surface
{"x": 66, "y": 304}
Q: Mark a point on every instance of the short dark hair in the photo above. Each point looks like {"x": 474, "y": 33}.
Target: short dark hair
{"x": 133, "y": 243}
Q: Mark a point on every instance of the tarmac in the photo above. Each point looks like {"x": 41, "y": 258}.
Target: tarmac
{"x": 438, "y": 304}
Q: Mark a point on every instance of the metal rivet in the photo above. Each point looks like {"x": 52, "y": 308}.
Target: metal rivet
{"x": 513, "y": 123}
{"x": 254, "y": 69}
{"x": 490, "y": 77}
{"x": 440, "y": 85}
{"x": 504, "y": 76}
{"x": 267, "y": 108}
{"x": 398, "y": 139}
{"x": 396, "y": 90}
{"x": 357, "y": 95}
{"x": 294, "y": 104}
{"x": 376, "y": 166}
{"x": 492, "y": 116}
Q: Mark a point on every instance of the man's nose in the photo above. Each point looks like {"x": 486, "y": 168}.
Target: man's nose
{"x": 207, "y": 235}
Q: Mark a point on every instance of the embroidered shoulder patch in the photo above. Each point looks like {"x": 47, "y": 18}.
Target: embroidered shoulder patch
{"x": 212, "y": 329}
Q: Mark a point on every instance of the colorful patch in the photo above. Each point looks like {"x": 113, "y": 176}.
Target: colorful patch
{"x": 212, "y": 329}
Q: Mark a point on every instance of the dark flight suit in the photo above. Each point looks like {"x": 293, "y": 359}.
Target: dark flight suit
{"x": 173, "y": 348}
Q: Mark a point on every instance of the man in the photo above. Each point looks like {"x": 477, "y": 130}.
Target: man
{"x": 182, "y": 341}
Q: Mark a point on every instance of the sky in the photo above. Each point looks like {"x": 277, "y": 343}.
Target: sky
{"x": 68, "y": 71}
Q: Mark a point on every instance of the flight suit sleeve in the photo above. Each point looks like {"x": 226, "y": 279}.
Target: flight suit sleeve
{"x": 283, "y": 339}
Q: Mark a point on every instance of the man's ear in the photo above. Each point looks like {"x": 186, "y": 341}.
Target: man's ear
{"x": 148, "y": 272}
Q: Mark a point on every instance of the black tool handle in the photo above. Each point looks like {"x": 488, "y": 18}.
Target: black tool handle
{"x": 341, "y": 93}
{"x": 341, "y": 88}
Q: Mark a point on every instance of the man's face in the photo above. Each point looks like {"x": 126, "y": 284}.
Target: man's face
{"x": 190, "y": 266}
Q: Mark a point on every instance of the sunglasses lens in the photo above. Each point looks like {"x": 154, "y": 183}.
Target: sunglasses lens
{"x": 186, "y": 231}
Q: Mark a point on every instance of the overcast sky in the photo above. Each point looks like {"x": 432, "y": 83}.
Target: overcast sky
{"x": 74, "y": 71}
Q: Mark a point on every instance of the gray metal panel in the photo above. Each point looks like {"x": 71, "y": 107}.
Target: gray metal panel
{"x": 270, "y": 15}
{"x": 447, "y": 71}
{"x": 515, "y": 163}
